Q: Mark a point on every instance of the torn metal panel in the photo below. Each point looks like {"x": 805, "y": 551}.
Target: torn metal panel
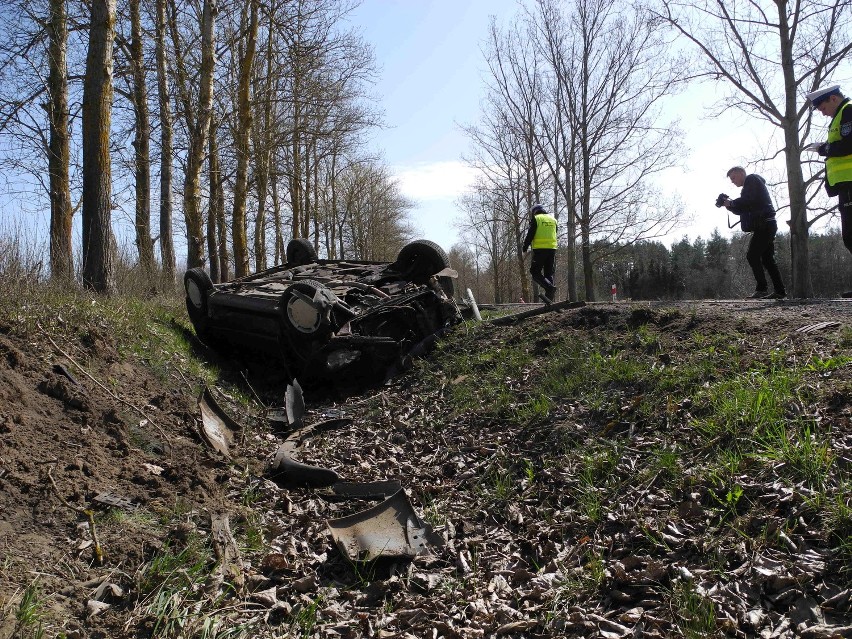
{"x": 295, "y": 405}
{"x": 295, "y": 439}
{"x": 390, "y": 529}
{"x": 217, "y": 427}
{"x": 289, "y": 473}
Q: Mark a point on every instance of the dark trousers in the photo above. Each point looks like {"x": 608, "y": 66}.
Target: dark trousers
{"x": 844, "y": 203}
{"x": 761, "y": 254}
{"x": 543, "y": 267}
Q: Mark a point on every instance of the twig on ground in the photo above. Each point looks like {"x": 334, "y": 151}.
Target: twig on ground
{"x": 99, "y": 384}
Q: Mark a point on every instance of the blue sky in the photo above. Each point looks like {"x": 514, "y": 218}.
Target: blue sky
{"x": 431, "y": 80}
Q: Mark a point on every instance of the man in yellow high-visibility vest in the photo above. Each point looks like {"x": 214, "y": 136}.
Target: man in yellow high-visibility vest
{"x": 837, "y": 151}
{"x": 541, "y": 235}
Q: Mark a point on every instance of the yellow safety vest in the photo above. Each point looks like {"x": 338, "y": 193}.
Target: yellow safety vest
{"x": 545, "y": 232}
{"x": 837, "y": 169}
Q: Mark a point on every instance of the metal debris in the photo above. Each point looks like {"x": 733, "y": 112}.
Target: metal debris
{"x": 108, "y": 499}
{"x": 819, "y": 326}
{"x": 217, "y": 427}
{"x": 390, "y": 529}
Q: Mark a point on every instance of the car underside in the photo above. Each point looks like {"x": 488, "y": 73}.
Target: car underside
{"x": 329, "y": 319}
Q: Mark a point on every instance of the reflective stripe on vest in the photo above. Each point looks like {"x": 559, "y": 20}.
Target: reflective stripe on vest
{"x": 838, "y": 169}
{"x": 545, "y": 232}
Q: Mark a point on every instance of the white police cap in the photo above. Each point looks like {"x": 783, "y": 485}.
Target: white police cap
{"x": 822, "y": 94}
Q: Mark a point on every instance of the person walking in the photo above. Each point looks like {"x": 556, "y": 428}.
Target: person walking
{"x": 541, "y": 236}
{"x": 757, "y": 216}
{"x": 837, "y": 151}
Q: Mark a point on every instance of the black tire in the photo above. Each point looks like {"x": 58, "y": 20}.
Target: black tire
{"x": 198, "y": 286}
{"x": 421, "y": 259}
{"x": 300, "y": 252}
{"x": 301, "y": 320}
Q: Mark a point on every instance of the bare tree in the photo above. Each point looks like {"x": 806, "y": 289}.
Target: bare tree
{"x": 97, "y": 174}
{"x": 578, "y": 87}
{"x": 768, "y": 58}
{"x": 141, "y": 143}
{"x": 61, "y": 211}
{"x": 242, "y": 134}
{"x": 485, "y": 227}
{"x": 197, "y": 116}
{"x": 167, "y": 248}
{"x": 35, "y": 113}
{"x": 615, "y": 71}
{"x": 508, "y": 154}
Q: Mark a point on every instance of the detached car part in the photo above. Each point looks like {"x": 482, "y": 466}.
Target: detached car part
{"x": 326, "y": 318}
{"x": 390, "y": 529}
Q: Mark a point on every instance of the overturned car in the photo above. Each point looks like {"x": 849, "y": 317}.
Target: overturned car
{"x": 325, "y": 318}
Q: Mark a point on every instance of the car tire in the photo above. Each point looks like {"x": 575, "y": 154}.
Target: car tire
{"x": 198, "y": 286}
{"x": 421, "y": 259}
{"x": 303, "y": 321}
{"x": 300, "y": 252}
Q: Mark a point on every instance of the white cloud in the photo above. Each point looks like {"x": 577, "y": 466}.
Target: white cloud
{"x": 444, "y": 180}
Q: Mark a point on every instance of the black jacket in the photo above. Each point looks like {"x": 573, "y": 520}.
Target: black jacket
{"x": 754, "y": 198}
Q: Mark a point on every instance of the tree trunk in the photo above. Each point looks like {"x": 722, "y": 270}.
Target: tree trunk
{"x": 799, "y": 254}
{"x": 97, "y": 195}
{"x": 263, "y": 145}
{"x": 167, "y": 247}
{"x": 242, "y": 135}
{"x": 219, "y": 256}
{"x": 61, "y": 211}
{"x": 141, "y": 145}
{"x": 276, "y": 217}
{"x": 198, "y": 140}
{"x": 213, "y": 214}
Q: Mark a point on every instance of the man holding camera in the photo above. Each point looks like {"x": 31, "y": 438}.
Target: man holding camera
{"x": 837, "y": 151}
{"x": 757, "y": 216}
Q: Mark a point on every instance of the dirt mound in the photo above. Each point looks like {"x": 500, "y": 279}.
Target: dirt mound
{"x": 82, "y": 430}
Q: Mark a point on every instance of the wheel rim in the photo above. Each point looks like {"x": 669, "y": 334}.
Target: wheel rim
{"x": 194, "y": 294}
{"x": 303, "y": 316}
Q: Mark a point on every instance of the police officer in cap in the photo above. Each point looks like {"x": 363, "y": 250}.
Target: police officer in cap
{"x": 541, "y": 235}
{"x": 837, "y": 151}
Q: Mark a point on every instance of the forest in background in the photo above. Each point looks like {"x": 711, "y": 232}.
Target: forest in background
{"x": 715, "y": 268}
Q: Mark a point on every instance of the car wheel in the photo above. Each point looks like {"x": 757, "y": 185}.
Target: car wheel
{"x": 300, "y": 252}
{"x": 303, "y": 318}
{"x": 421, "y": 259}
{"x": 198, "y": 286}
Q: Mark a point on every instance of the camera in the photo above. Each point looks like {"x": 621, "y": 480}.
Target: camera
{"x": 720, "y": 201}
